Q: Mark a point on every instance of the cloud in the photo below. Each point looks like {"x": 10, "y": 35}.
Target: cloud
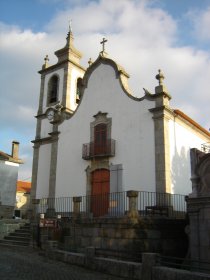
{"x": 140, "y": 37}
{"x": 201, "y": 23}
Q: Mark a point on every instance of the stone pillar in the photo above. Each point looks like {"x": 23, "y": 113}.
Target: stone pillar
{"x": 89, "y": 257}
{"x": 162, "y": 113}
{"x": 76, "y": 207}
{"x": 198, "y": 207}
{"x": 199, "y": 217}
{"x": 132, "y": 204}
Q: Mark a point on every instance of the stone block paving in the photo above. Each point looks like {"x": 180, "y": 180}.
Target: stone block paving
{"x": 28, "y": 264}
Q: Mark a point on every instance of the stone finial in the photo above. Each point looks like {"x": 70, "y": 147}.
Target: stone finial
{"x": 70, "y": 25}
{"x": 46, "y": 60}
{"x": 90, "y": 61}
{"x": 161, "y": 91}
{"x": 160, "y": 77}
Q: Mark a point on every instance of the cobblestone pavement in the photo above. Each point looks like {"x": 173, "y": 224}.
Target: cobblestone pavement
{"x": 28, "y": 264}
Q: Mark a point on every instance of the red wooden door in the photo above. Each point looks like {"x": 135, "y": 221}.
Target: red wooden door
{"x": 100, "y": 192}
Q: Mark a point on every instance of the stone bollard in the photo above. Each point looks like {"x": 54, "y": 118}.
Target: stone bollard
{"x": 148, "y": 261}
{"x": 76, "y": 207}
{"x": 133, "y": 209}
{"x": 89, "y": 257}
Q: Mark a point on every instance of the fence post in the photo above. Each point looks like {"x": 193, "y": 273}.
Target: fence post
{"x": 132, "y": 204}
{"x": 76, "y": 207}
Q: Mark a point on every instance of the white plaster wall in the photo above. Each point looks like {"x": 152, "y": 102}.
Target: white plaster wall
{"x": 182, "y": 139}
{"x": 43, "y": 171}
{"x": 132, "y": 128}
{"x": 60, "y": 73}
{"x": 46, "y": 128}
{"x": 8, "y": 175}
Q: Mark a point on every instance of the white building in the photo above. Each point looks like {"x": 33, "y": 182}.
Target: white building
{"x": 93, "y": 136}
{"x": 9, "y": 165}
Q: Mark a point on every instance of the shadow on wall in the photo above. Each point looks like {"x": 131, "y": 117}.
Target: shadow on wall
{"x": 180, "y": 172}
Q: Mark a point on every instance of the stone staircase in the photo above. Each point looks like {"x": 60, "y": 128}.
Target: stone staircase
{"x": 20, "y": 237}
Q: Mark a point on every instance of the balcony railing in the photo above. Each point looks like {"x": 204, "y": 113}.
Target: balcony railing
{"x": 92, "y": 149}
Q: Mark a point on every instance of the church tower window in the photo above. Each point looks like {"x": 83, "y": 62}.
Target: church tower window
{"x": 53, "y": 90}
{"x": 78, "y": 90}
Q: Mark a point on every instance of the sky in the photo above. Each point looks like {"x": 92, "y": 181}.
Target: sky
{"x": 143, "y": 36}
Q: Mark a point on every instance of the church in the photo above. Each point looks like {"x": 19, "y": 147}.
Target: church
{"x": 93, "y": 136}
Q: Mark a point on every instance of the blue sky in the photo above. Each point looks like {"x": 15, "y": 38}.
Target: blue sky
{"x": 143, "y": 36}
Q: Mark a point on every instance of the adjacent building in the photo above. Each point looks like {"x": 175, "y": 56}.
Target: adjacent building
{"x": 9, "y": 165}
{"x": 22, "y": 199}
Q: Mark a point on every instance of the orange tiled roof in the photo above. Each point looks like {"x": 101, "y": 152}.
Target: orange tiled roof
{"x": 23, "y": 186}
{"x": 187, "y": 118}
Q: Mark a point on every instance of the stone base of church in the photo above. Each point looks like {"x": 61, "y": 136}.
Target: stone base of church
{"x": 121, "y": 236}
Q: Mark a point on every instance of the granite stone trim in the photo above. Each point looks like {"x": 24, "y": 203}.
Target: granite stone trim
{"x": 161, "y": 117}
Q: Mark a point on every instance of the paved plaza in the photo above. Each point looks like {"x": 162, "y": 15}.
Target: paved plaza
{"x": 28, "y": 264}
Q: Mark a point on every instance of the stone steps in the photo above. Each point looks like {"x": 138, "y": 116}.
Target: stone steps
{"x": 20, "y": 237}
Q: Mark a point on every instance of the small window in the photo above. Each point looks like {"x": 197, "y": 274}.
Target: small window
{"x": 53, "y": 90}
{"x": 78, "y": 90}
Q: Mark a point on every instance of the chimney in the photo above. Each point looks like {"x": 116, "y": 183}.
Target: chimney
{"x": 15, "y": 149}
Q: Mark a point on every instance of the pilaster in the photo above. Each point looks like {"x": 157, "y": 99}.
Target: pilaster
{"x": 41, "y": 96}
{"x": 162, "y": 113}
{"x": 53, "y": 161}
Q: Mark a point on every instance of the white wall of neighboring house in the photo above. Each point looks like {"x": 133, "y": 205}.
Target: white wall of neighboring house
{"x": 8, "y": 175}
{"x": 182, "y": 139}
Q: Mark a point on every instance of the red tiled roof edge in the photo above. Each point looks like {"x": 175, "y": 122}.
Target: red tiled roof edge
{"x": 184, "y": 116}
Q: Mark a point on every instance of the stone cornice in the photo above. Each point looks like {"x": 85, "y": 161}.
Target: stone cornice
{"x": 53, "y": 136}
{"x": 59, "y": 65}
{"x": 162, "y": 111}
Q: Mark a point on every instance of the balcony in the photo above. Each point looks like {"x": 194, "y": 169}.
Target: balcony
{"x": 93, "y": 150}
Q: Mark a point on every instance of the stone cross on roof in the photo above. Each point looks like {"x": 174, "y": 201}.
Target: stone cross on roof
{"x": 103, "y": 44}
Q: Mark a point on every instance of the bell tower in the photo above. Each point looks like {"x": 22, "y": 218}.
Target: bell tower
{"x": 58, "y": 99}
{"x": 59, "y": 82}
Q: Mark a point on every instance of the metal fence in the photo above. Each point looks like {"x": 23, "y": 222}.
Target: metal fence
{"x": 116, "y": 205}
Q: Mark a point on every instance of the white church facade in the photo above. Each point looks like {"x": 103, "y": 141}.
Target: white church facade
{"x": 93, "y": 136}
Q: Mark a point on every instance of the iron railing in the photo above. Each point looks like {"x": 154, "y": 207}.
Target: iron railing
{"x": 92, "y": 149}
{"x": 161, "y": 204}
{"x": 117, "y": 205}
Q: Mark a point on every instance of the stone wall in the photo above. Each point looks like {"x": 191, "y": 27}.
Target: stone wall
{"x": 163, "y": 236}
{"x": 7, "y": 226}
{"x": 6, "y": 211}
{"x": 148, "y": 269}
